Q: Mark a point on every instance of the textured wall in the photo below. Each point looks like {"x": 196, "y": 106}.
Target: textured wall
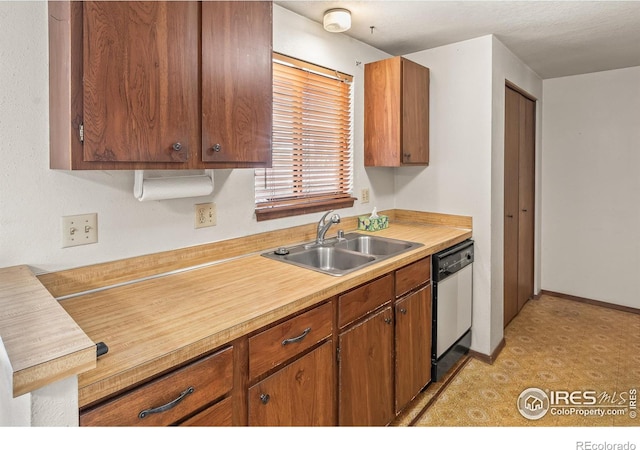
{"x": 591, "y": 186}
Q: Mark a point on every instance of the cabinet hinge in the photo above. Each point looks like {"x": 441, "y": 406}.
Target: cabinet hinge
{"x": 81, "y": 132}
{"x": 338, "y": 354}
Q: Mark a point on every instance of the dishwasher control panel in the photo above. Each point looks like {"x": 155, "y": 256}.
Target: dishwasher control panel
{"x": 453, "y": 259}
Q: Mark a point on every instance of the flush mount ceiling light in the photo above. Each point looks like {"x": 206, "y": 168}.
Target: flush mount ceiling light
{"x": 337, "y": 20}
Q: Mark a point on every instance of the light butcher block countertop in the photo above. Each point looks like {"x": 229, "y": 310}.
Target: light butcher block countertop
{"x": 42, "y": 342}
{"x": 161, "y": 322}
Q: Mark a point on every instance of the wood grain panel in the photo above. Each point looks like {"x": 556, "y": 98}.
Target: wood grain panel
{"x": 237, "y": 86}
{"x": 412, "y": 346}
{"x": 511, "y": 203}
{"x": 366, "y": 372}
{"x": 526, "y": 191}
{"x": 218, "y": 415}
{"x": 210, "y": 378}
{"x": 42, "y": 342}
{"x": 412, "y": 276}
{"x": 300, "y": 394}
{"x": 415, "y": 113}
{"x": 363, "y": 300}
{"x": 430, "y": 218}
{"x": 382, "y": 116}
{"x": 519, "y": 202}
{"x": 140, "y": 76}
{"x": 267, "y": 350}
{"x": 65, "y": 81}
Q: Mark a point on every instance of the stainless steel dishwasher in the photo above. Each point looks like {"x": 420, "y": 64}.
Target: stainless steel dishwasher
{"x": 452, "y": 305}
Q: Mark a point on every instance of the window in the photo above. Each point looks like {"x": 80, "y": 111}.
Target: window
{"x": 312, "y": 162}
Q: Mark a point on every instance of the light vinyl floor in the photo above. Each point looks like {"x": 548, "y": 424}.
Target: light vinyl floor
{"x": 555, "y": 345}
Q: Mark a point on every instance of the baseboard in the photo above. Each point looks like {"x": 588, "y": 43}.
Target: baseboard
{"x": 488, "y": 359}
{"x": 591, "y": 302}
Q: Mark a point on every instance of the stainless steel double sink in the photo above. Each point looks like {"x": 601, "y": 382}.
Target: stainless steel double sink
{"x": 339, "y": 256}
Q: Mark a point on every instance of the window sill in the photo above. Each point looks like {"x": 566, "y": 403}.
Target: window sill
{"x": 277, "y": 212}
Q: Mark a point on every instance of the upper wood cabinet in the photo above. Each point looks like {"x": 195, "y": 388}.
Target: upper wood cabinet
{"x": 396, "y": 113}
{"x": 160, "y": 85}
{"x": 237, "y": 82}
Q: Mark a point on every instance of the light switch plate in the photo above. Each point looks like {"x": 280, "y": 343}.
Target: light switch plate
{"x": 79, "y": 230}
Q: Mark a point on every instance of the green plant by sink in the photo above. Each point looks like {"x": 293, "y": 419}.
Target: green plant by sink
{"x": 342, "y": 255}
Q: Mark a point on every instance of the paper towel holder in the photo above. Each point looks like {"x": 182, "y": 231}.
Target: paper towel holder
{"x": 139, "y": 184}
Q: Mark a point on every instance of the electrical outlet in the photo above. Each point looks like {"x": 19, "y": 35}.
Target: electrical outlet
{"x": 79, "y": 230}
{"x": 364, "y": 196}
{"x": 205, "y": 215}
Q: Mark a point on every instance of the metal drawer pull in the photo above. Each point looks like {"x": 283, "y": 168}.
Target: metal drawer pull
{"x": 297, "y": 338}
{"x": 403, "y": 311}
{"x": 169, "y": 405}
{"x": 264, "y": 398}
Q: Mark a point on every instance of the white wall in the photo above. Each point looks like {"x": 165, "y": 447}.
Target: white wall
{"x": 33, "y": 198}
{"x": 458, "y": 178}
{"x": 466, "y": 170}
{"x": 506, "y": 66}
{"x": 591, "y": 186}
{"x": 54, "y": 405}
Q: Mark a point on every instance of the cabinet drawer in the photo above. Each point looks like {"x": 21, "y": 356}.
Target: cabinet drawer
{"x": 210, "y": 377}
{"x": 284, "y": 341}
{"x": 364, "y": 299}
{"x": 218, "y": 415}
{"x": 412, "y": 276}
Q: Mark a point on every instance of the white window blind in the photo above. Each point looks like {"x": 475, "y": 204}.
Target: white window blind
{"x": 312, "y": 127}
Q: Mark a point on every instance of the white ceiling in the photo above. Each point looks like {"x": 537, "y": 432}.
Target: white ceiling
{"x": 554, "y": 38}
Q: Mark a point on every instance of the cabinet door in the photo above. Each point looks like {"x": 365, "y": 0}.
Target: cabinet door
{"x": 382, "y": 118}
{"x": 396, "y": 113}
{"x": 415, "y": 113}
{"x": 300, "y": 394}
{"x": 237, "y": 82}
{"x": 140, "y": 81}
{"x": 413, "y": 345}
{"x": 366, "y": 371}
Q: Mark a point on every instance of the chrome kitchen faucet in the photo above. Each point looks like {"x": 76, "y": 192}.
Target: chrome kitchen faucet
{"x": 324, "y": 226}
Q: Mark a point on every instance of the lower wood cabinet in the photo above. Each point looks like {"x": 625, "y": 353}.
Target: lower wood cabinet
{"x": 412, "y": 346}
{"x": 366, "y": 371}
{"x": 355, "y": 360}
{"x": 300, "y": 394}
{"x": 170, "y": 398}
